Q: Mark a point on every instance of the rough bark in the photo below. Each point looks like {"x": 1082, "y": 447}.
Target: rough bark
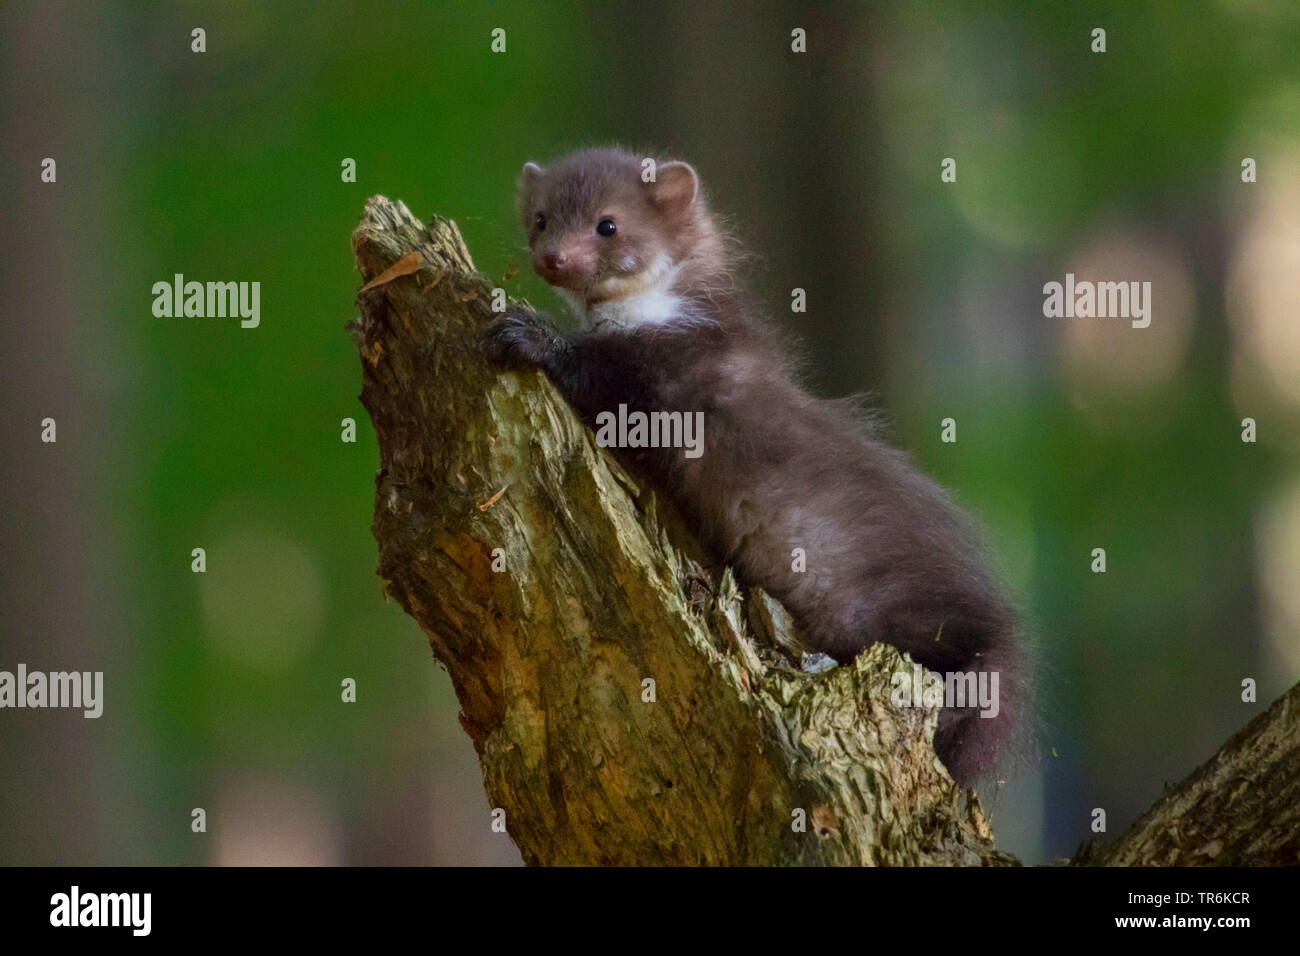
{"x": 1240, "y": 808}
{"x": 553, "y": 587}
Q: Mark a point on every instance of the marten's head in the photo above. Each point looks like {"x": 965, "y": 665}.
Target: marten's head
{"x": 618, "y": 235}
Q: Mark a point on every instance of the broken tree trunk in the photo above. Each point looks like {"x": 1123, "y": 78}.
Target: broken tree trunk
{"x": 628, "y": 704}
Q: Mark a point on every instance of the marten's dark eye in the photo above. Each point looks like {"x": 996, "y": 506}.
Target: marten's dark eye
{"x": 606, "y": 227}
{"x": 540, "y": 223}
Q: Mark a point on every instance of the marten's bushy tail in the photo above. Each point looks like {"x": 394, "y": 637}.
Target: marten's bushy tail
{"x": 972, "y": 746}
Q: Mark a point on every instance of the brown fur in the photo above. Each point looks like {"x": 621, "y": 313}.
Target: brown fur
{"x": 889, "y": 556}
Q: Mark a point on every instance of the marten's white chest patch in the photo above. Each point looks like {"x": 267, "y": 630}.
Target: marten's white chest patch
{"x": 647, "y": 298}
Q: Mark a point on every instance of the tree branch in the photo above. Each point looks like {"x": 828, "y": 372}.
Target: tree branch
{"x": 1240, "y": 808}
{"x": 554, "y": 588}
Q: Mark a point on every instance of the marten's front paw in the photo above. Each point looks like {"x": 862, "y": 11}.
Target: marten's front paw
{"x": 519, "y": 339}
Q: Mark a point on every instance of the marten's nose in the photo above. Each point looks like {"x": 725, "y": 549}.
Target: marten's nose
{"x": 553, "y": 261}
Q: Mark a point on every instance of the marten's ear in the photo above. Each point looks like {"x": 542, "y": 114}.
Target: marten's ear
{"x": 528, "y": 178}
{"x": 675, "y": 186}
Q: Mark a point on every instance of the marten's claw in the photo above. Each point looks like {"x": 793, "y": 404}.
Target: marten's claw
{"x": 519, "y": 339}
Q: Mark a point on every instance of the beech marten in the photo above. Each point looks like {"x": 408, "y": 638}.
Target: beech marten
{"x": 666, "y": 328}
